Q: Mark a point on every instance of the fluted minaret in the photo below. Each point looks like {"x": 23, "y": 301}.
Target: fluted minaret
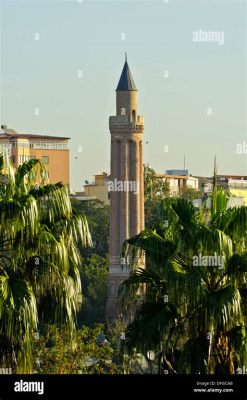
{"x": 126, "y": 184}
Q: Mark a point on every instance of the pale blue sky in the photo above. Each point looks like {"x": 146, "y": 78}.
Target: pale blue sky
{"x": 86, "y": 36}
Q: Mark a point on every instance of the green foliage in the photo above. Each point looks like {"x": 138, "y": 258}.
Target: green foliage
{"x": 192, "y": 315}
{"x": 39, "y": 259}
{"x": 55, "y": 355}
{"x": 98, "y": 217}
{"x": 94, "y": 277}
{"x": 155, "y": 189}
{"x": 190, "y": 193}
{"x": 154, "y": 186}
{"x": 94, "y": 268}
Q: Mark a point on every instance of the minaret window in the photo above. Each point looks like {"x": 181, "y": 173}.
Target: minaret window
{"x": 123, "y": 111}
{"x": 133, "y": 115}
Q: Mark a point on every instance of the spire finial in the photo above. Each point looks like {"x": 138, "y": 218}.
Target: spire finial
{"x": 126, "y": 81}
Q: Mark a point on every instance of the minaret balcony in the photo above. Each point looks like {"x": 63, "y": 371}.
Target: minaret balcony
{"x": 124, "y": 122}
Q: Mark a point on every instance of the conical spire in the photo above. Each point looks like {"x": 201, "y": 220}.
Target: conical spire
{"x": 126, "y": 81}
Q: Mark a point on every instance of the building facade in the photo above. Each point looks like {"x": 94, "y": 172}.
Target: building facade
{"x": 179, "y": 182}
{"x": 235, "y": 184}
{"x": 99, "y": 188}
{"x": 53, "y": 151}
{"x": 126, "y": 183}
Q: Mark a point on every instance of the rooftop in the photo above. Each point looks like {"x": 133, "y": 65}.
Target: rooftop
{"x": 6, "y": 133}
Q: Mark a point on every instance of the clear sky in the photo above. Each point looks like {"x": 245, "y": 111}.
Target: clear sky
{"x": 65, "y": 58}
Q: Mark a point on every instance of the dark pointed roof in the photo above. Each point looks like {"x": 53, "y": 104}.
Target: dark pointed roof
{"x": 126, "y": 81}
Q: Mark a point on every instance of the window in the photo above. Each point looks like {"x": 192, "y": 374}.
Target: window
{"x": 32, "y": 158}
{"x": 52, "y": 145}
{"x": 20, "y": 144}
{"x": 40, "y": 144}
{"x": 6, "y": 146}
{"x": 122, "y": 111}
{"x": 45, "y": 159}
{"x": 23, "y": 158}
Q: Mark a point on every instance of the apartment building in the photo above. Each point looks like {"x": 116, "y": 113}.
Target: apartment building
{"x": 52, "y": 150}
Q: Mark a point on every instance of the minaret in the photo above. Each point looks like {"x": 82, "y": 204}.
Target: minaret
{"x": 126, "y": 184}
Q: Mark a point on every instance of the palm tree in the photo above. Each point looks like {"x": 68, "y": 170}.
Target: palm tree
{"x": 191, "y": 309}
{"x": 39, "y": 259}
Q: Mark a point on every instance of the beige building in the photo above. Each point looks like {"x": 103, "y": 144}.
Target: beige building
{"x": 126, "y": 182}
{"x": 52, "y": 150}
{"x": 178, "y": 182}
{"x": 238, "y": 189}
{"x": 98, "y": 189}
{"x": 236, "y": 185}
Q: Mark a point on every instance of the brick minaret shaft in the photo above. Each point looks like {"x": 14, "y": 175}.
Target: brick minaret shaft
{"x": 126, "y": 206}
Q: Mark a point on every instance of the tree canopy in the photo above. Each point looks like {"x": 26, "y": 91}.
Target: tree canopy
{"x": 39, "y": 259}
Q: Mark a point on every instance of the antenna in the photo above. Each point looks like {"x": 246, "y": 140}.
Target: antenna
{"x": 125, "y": 57}
{"x": 215, "y": 172}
